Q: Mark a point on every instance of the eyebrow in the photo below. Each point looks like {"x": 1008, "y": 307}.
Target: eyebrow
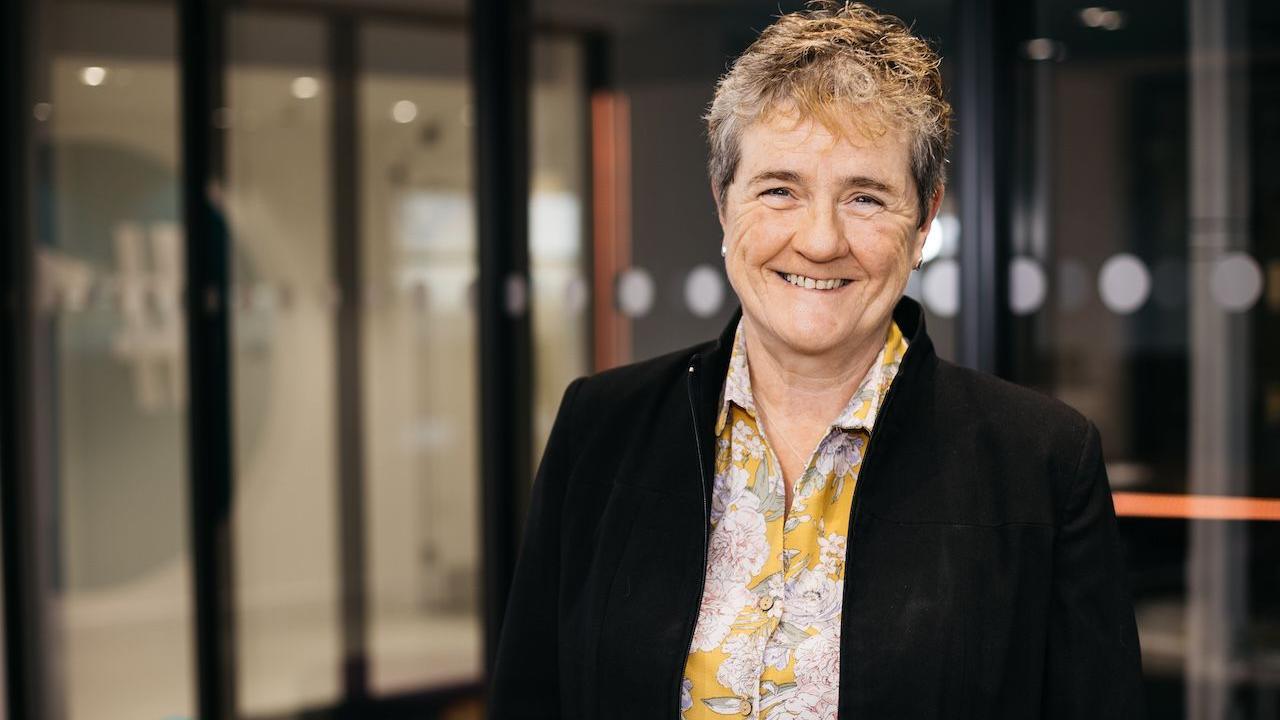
{"x": 862, "y": 181}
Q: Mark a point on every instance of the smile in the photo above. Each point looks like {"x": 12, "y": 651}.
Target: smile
{"x": 813, "y": 283}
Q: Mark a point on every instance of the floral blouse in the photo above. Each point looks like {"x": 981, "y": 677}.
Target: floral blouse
{"x": 767, "y": 641}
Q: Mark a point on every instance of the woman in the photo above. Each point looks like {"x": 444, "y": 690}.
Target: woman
{"x": 813, "y": 516}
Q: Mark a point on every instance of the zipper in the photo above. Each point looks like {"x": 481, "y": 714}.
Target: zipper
{"x": 702, "y": 487}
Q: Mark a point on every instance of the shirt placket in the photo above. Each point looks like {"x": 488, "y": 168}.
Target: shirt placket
{"x": 774, "y": 601}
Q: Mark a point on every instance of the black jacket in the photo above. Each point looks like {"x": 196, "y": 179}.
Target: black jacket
{"x": 983, "y": 577}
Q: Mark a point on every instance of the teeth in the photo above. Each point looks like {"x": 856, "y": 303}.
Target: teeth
{"x": 808, "y": 282}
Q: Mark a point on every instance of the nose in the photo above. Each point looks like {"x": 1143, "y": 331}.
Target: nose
{"x": 820, "y": 238}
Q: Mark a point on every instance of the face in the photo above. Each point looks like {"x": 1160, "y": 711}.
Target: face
{"x": 821, "y": 233}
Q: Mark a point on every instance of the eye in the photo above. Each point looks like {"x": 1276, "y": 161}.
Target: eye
{"x": 867, "y": 201}
{"x": 777, "y": 192}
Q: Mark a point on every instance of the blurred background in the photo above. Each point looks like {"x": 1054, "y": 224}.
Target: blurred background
{"x": 292, "y": 290}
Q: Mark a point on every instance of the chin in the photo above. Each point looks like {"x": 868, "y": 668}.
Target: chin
{"x": 811, "y": 340}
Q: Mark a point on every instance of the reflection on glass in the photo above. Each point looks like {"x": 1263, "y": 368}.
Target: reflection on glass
{"x": 419, "y": 268}
{"x": 111, "y": 274}
{"x": 1152, "y": 157}
{"x": 277, "y": 201}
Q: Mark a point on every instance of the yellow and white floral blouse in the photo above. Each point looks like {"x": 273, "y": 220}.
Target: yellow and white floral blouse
{"x": 767, "y": 640}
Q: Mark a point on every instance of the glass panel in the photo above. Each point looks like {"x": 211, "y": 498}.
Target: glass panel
{"x": 557, "y": 210}
{"x": 419, "y": 269}
{"x": 111, "y": 267}
{"x": 1153, "y": 133}
{"x": 277, "y": 116}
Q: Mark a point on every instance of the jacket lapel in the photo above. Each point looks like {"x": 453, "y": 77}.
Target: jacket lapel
{"x": 710, "y": 367}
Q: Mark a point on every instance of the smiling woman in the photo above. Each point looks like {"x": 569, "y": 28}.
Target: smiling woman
{"x": 822, "y": 206}
{"x": 930, "y": 542}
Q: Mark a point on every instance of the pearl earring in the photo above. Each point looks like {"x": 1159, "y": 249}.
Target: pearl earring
{"x": 724, "y": 251}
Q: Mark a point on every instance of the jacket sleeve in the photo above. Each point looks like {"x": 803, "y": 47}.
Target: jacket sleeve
{"x": 1093, "y": 669}
{"x": 525, "y": 682}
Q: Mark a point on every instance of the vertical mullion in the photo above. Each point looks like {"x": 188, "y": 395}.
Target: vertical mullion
{"x": 25, "y": 518}
{"x": 202, "y": 28}
{"x": 501, "y": 54}
{"x": 350, "y": 427}
{"x": 1221, "y": 388}
{"x": 984, "y": 67}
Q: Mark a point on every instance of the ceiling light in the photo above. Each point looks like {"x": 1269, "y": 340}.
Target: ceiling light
{"x": 1092, "y": 16}
{"x": 1112, "y": 20}
{"x": 305, "y": 87}
{"x": 93, "y": 75}
{"x": 1101, "y": 17}
{"x": 404, "y": 111}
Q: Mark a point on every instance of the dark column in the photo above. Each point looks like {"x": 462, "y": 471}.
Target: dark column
{"x": 208, "y": 357}
{"x": 500, "y": 53}
{"x": 26, "y": 520}
{"x": 986, "y": 63}
{"x": 345, "y": 202}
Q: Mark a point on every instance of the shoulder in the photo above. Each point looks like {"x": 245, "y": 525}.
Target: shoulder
{"x": 993, "y": 400}
{"x": 613, "y": 406}
{"x": 634, "y": 415}
{"x": 1013, "y": 426}
{"x": 632, "y": 384}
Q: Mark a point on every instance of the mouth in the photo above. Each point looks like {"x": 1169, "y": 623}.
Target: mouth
{"x": 807, "y": 283}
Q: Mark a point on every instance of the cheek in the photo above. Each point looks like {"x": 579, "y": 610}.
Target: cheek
{"x": 880, "y": 247}
{"x": 763, "y": 235}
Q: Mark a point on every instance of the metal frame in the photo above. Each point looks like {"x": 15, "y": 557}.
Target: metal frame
{"x": 501, "y": 36}
{"x": 23, "y": 498}
{"x": 986, "y": 32}
{"x": 210, "y": 451}
{"x": 345, "y": 200}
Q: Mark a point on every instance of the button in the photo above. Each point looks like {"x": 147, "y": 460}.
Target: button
{"x": 746, "y": 707}
{"x": 766, "y": 603}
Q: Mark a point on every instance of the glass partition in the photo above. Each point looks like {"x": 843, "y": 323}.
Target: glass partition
{"x": 110, "y": 278}
{"x": 278, "y": 134}
{"x": 419, "y": 268}
{"x": 1149, "y": 303}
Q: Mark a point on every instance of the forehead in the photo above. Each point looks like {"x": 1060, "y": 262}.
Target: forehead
{"x": 789, "y": 139}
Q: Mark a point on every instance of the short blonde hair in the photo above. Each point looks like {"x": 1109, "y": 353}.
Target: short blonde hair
{"x": 822, "y": 62}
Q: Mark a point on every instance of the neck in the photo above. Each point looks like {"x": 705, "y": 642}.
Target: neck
{"x": 807, "y": 392}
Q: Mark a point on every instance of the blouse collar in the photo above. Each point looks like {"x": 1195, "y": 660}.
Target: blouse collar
{"x": 858, "y": 413}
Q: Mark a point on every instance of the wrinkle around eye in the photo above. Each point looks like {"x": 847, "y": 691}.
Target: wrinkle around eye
{"x": 868, "y": 206}
{"x": 778, "y": 201}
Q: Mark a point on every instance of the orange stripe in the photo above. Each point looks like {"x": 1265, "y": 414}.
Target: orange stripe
{"x": 611, "y": 214}
{"x": 1197, "y": 507}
